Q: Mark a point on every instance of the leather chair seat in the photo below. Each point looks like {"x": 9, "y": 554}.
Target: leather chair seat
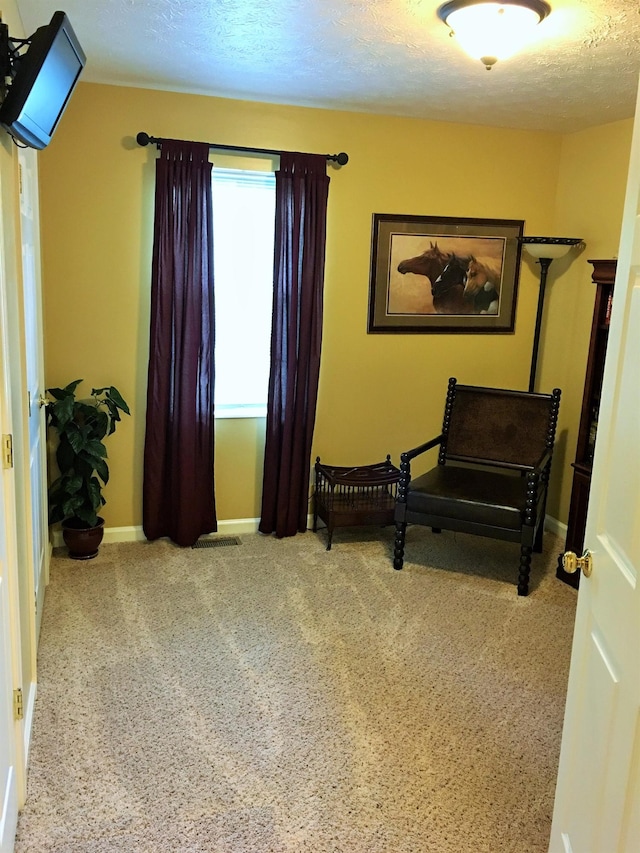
{"x": 466, "y": 494}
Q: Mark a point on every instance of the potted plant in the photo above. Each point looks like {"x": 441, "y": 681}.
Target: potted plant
{"x": 75, "y": 496}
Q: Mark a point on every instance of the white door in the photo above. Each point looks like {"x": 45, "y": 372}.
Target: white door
{"x": 11, "y": 731}
{"x": 597, "y": 807}
{"x": 34, "y": 375}
{"x": 8, "y": 775}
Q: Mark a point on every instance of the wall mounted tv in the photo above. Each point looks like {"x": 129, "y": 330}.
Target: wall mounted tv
{"x": 43, "y": 78}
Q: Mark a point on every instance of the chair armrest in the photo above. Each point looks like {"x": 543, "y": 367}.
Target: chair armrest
{"x": 408, "y": 455}
{"x": 405, "y": 465}
{"x": 537, "y": 479}
{"x": 544, "y": 460}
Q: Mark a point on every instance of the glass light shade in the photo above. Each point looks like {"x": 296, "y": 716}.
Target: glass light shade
{"x": 493, "y": 31}
{"x": 548, "y": 247}
{"x": 489, "y": 30}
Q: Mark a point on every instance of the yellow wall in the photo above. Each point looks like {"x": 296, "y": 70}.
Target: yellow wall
{"x": 378, "y": 394}
{"x": 589, "y": 204}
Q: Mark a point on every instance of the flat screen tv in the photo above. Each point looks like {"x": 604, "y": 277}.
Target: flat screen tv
{"x": 43, "y": 79}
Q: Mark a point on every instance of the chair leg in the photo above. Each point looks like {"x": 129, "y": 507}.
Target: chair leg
{"x": 537, "y": 545}
{"x": 398, "y": 550}
{"x": 330, "y": 533}
{"x": 525, "y": 570}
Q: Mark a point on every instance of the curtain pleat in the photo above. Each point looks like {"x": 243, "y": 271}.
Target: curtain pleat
{"x": 178, "y": 487}
{"x": 302, "y": 188}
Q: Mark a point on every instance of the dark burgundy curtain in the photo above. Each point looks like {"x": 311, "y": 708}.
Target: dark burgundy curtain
{"x": 178, "y": 490}
{"x": 302, "y": 189}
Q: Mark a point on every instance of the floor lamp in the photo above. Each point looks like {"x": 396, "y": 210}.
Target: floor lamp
{"x": 544, "y": 250}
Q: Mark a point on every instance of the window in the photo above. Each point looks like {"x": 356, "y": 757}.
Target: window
{"x": 243, "y": 226}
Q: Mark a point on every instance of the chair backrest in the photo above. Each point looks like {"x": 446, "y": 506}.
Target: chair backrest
{"x": 494, "y": 426}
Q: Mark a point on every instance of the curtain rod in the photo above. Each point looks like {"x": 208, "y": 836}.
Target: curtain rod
{"x": 144, "y": 139}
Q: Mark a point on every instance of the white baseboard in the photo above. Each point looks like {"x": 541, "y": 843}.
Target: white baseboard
{"x": 229, "y": 527}
{"x": 554, "y": 526}
{"x": 123, "y": 534}
{"x": 236, "y": 526}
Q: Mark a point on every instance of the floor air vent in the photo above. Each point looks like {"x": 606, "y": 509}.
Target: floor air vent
{"x": 218, "y": 542}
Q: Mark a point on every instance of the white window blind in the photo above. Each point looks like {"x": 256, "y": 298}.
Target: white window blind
{"x": 243, "y": 227}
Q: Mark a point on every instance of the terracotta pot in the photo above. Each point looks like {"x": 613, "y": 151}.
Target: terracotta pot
{"x": 82, "y": 542}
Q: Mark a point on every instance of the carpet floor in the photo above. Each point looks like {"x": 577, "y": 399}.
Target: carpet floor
{"x": 273, "y": 697}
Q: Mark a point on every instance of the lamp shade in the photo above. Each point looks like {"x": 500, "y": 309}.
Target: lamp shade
{"x": 548, "y": 247}
{"x": 489, "y": 31}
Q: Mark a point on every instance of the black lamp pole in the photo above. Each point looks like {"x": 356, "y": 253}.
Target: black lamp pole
{"x": 544, "y": 267}
{"x": 551, "y": 247}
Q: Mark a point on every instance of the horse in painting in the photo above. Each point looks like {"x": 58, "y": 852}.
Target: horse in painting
{"x": 483, "y": 286}
{"x": 446, "y": 272}
{"x": 429, "y": 263}
{"x": 448, "y": 289}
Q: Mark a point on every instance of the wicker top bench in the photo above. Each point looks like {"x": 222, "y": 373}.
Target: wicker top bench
{"x": 354, "y": 496}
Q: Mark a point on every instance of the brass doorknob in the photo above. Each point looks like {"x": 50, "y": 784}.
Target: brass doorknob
{"x": 572, "y": 563}
{"x": 42, "y": 401}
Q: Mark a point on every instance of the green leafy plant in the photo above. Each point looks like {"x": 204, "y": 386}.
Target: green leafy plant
{"x": 75, "y": 496}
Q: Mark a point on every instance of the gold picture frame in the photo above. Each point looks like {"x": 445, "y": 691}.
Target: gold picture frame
{"x": 443, "y": 274}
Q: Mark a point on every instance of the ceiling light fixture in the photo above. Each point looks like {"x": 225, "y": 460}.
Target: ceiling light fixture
{"x": 490, "y": 31}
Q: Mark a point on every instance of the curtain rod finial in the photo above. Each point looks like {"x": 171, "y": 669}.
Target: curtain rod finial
{"x": 143, "y": 138}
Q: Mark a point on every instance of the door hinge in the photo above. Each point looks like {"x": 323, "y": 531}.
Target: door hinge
{"x": 18, "y": 706}
{"x": 7, "y": 451}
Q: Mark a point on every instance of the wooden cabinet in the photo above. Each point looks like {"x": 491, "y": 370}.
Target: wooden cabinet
{"x": 604, "y": 272}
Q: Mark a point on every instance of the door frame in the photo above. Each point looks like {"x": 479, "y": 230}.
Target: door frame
{"x": 13, "y": 661}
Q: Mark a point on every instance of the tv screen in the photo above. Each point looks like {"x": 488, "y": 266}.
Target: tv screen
{"x": 43, "y": 79}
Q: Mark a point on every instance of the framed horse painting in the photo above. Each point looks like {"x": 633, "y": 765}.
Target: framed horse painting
{"x": 443, "y": 274}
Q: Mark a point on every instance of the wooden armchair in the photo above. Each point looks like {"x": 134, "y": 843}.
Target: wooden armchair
{"x": 492, "y": 475}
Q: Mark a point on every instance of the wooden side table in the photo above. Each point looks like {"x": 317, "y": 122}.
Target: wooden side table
{"x": 349, "y": 497}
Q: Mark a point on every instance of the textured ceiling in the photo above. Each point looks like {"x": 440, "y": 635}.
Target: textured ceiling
{"x": 381, "y": 56}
